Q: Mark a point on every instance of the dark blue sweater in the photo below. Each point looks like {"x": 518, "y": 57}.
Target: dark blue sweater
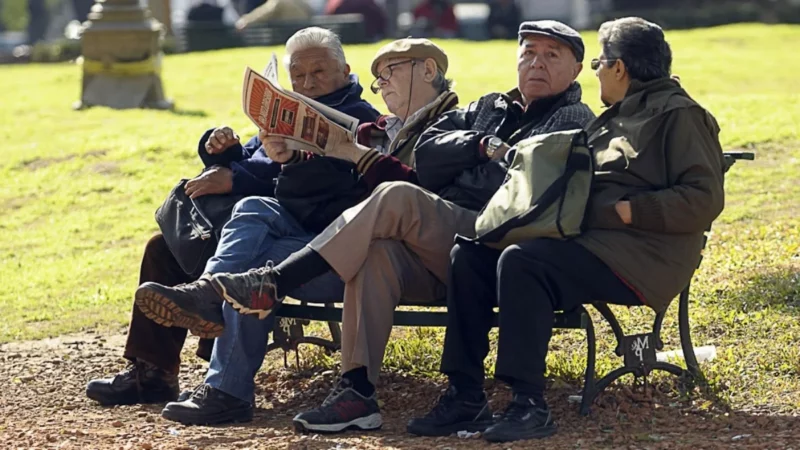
{"x": 253, "y": 171}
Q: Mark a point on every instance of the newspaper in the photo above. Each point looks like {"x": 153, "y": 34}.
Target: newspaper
{"x": 305, "y": 123}
{"x": 271, "y": 72}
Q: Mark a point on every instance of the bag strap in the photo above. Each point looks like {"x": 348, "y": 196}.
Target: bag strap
{"x": 555, "y": 192}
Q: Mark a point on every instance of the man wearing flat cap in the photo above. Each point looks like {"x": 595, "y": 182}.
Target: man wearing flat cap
{"x": 410, "y": 74}
{"x": 547, "y": 98}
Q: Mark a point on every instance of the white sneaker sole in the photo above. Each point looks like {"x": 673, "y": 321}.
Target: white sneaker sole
{"x": 370, "y": 422}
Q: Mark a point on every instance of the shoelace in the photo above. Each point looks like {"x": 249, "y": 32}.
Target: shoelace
{"x": 515, "y": 411}
{"x": 443, "y": 403}
{"x": 341, "y": 386}
{"x": 267, "y": 274}
{"x": 201, "y": 391}
{"x": 260, "y": 277}
{"x": 131, "y": 371}
{"x": 190, "y": 288}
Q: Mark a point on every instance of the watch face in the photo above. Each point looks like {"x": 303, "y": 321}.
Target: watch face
{"x": 494, "y": 143}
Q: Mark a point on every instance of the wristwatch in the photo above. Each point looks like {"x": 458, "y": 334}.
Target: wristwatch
{"x": 492, "y": 144}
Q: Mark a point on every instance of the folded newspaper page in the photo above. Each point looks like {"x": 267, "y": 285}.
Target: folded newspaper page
{"x": 347, "y": 122}
{"x": 306, "y": 124}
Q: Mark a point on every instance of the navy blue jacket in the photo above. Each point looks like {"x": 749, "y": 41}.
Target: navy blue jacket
{"x": 253, "y": 171}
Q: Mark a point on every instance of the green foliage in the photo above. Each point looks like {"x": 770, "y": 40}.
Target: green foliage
{"x": 80, "y": 188}
{"x": 690, "y": 14}
{"x": 56, "y": 51}
{"x": 14, "y": 13}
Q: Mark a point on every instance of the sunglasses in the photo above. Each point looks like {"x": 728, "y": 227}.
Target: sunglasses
{"x": 596, "y": 62}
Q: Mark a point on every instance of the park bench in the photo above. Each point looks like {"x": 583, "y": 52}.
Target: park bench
{"x": 199, "y": 36}
{"x": 638, "y": 351}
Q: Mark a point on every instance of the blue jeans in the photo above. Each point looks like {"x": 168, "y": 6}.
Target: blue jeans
{"x": 260, "y": 230}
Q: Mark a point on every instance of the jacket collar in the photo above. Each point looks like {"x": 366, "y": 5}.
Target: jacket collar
{"x": 572, "y": 95}
{"x": 658, "y": 84}
{"x": 652, "y": 95}
{"x": 351, "y": 92}
{"x": 370, "y": 133}
{"x": 437, "y": 107}
{"x": 639, "y": 91}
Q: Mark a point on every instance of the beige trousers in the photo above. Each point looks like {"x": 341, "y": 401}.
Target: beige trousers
{"x": 395, "y": 244}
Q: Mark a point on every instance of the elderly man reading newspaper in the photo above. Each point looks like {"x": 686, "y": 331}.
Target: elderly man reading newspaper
{"x": 318, "y": 69}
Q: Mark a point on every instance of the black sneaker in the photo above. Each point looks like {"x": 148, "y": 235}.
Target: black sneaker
{"x": 183, "y": 396}
{"x": 451, "y": 415}
{"x": 252, "y": 292}
{"x": 208, "y": 406}
{"x": 522, "y": 419}
{"x": 195, "y": 306}
{"x": 344, "y": 408}
{"x": 141, "y": 382}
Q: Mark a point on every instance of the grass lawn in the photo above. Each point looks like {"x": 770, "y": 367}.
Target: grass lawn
{"x": 79, "y": 190}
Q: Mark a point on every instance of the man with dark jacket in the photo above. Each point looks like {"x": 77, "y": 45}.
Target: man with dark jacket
{"x": 319, "y": 70}
{"x": 657, "y": 187}
{"x": 265, "y": 229}
{"x": 396, "y": 243}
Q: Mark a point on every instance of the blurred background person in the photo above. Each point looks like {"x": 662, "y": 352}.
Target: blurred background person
{"x": 39, "y": 19}
{"x": 374, "y": 15}
{"x": 276, "y": 10}
{"x": 504, "y": 19}
{"x": 436, "y": 18}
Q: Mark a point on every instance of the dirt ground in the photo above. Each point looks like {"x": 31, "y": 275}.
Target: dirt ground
{"x": 42, "y": 405}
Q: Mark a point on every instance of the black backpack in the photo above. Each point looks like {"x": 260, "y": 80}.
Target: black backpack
{"x": 191, "y": 227}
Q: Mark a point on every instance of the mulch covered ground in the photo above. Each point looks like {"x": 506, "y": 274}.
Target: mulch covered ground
{"x": 42, "y": 405}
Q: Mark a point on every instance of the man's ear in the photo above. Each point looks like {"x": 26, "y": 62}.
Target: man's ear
{"x": 620, "y": 71}
{"x": 430, "y": 69}
{"x": 577, "y": 70}
{"x": 346, "y": 70}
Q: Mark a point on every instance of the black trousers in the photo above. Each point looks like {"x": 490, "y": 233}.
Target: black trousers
{"x": 148, "y": 340}
{"x": 529, "y": 282}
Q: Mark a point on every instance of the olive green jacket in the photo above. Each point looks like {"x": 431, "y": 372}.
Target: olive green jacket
{"x": 658, "y": 149}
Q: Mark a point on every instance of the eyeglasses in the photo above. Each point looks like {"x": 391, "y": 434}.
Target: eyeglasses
{"x": 386, "y": 73}
{"x": 596, "y": 62}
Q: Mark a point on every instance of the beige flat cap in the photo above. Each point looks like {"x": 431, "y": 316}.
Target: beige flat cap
{"x": 416, "y": 48}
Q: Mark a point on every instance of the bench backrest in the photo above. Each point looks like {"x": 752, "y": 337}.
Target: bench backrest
{"x": 197, "y": 36}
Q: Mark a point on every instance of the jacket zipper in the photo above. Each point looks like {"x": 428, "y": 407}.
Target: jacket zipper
{"x": 203, "y": 234}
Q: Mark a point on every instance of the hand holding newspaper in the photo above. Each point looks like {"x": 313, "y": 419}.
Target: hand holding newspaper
{"x": 305, "y": 123}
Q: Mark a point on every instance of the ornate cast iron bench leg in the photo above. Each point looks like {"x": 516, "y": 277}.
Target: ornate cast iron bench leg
{"x": 289, "y": 333}
{"x": 638, "y": 351}
{"x": 589, "y": 380}
{"x": 693, "y": 367}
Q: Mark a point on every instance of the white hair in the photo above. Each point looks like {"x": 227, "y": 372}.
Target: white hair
{"x": 315, "y": 37}
{"x": 441, "y": 83}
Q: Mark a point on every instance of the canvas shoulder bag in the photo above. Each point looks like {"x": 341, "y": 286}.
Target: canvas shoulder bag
{"x": 545, "y": 192}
